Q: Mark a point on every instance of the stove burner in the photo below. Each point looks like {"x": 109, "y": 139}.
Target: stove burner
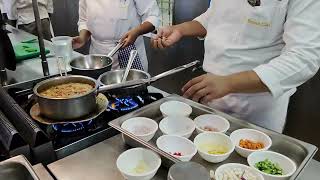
{"x": 125, "y": 104}
{"x": 71, "y": 127}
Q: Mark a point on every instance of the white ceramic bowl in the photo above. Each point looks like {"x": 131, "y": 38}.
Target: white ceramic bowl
{"x": 211, "y": 121}
{"x": 177, "y": 125}
{"x": 237, "y": 166}
{"x": 252, "y": 135}
{"x": 288, "y": 166}
{"x": 175, "y": 108}
{"x": 142, "y": 127}
{"x": 172, "y": 144}
{"x": 138, "y": 159}
{"x": 206, "y": 140}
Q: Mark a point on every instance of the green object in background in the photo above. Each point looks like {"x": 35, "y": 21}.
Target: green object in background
{"x": 28, "y": 50}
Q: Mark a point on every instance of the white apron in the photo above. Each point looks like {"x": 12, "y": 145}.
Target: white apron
{"x": 233, "y": 45}
{"x": 108, "y": 21}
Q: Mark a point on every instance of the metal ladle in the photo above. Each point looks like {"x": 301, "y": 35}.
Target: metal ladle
{"x": 133, "y": 55}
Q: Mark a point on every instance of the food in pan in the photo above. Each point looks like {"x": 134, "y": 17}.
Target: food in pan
{"x": 248, "y": 144}
{"x": 269, "y": 167}
{"x": 67, "y": 90}
{"x": 235, "y": 174}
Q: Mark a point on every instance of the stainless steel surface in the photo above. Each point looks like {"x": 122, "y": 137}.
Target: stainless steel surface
{"x": 91, "y": 65}
{"x": 66, "y": 108}
{"x": 44, "y": 61}
{"x": 101, "y": 106}
{"x": 42, "y": 172}
{"x": 31, "y": 69}
{"x": 99, "y": 162}
{"x": 188, "y": 171}
{"x": 116, "y": 49}
{"x": 112, "y": 79}
{"x": 17, "y": 168}
{"x": 138, "y": 82}
{"x": 300, "y": 152}
{"x": 133, "y": 55}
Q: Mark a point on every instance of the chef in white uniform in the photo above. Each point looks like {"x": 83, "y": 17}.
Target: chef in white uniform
{"x": 108, "y": 21}
{"x": 21, "y": 11}
{"x": 256, "y": 53}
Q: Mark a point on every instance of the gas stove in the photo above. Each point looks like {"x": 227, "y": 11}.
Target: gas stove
{"x": 72, "y": 137}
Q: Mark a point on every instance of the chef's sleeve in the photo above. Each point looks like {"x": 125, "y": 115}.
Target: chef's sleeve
{"x": 11, "y": 8}
{"x": 300, "y": 58}
{"x": 149, "y": 11}
{"x": 82, "y": 23}
{"x": 50, "y": 6}
{"x": 203, "y": 19}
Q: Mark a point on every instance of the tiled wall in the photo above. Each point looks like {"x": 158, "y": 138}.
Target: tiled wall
{"x": 166, "y": 7}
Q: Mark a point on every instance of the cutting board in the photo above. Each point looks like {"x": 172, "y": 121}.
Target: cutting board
{"x": 24, "y": 51}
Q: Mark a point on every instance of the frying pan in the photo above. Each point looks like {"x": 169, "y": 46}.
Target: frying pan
{"x": 137, "y": 80}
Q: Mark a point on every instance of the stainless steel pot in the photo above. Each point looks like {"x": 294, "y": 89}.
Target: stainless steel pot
{"x": 66, "y": 108}
{"x": 137, "y": 80}
{"x": 91, "y": 65}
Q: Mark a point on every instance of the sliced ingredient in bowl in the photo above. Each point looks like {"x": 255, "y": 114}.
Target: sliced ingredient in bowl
{"x": 248, "y": 144}
{"x": 269, "y": 167}
{"x": 209, "y": 128}
{"x": 141, "y": 168}
{"x": 235, "y": 174}
{"x": 213, "y": 149}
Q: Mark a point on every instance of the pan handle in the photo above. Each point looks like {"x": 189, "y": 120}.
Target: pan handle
{"x": 173, "y": 71}
{"x": 105, "y": 88}
{"x": 116, "y": 49}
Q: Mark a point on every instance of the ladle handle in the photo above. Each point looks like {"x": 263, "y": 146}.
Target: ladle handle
{"x": 133, "y": 55}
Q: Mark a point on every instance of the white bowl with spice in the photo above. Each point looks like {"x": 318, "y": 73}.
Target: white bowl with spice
{"x": 177, "y": 125}
{"x": 237, "y": 171}
{"x": 211, "y": 123}
{"x": 248, "y": 141}
{"x": 175, "y": 108}
{"x": 214, "y": 147}
{"x": 141, "y": 127}
{"x": 179, "y": 147}
{"x": 138, "y": 164}
{"x": 272, "y": 165}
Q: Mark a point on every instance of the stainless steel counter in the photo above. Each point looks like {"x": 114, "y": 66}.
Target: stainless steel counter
{"x": 99, "y": 162}
{"x": 31, "y": 69}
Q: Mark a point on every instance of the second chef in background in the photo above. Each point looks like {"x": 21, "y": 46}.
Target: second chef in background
{"x": 108, "y": 21}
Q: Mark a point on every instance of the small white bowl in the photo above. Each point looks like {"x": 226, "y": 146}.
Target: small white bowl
{"x": 138, "y": 159}
{"x": 288, "y": 166}
{"x": 177, "y": 125}
{"x": 142, "y": 127}
{"x": 252, "y": 135}
{"x": 204, "y": 140}
{"x": 211, "y": 121}
{"x": 237, "y": 166}
{"x": 172, "y": 144}
{"x": 175, "y": 108}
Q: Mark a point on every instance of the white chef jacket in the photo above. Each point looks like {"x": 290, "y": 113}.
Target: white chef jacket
{"x": 279, "y": 40}
{"x": 109, "y": 20}
{"x": 22, "y": 10}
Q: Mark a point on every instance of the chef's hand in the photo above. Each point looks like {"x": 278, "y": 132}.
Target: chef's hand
{"x": 78, "y": 42}
{"x": 167, "y": 36}
{"x": 130, "y": 37}
{"x": 206, "y": 88}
